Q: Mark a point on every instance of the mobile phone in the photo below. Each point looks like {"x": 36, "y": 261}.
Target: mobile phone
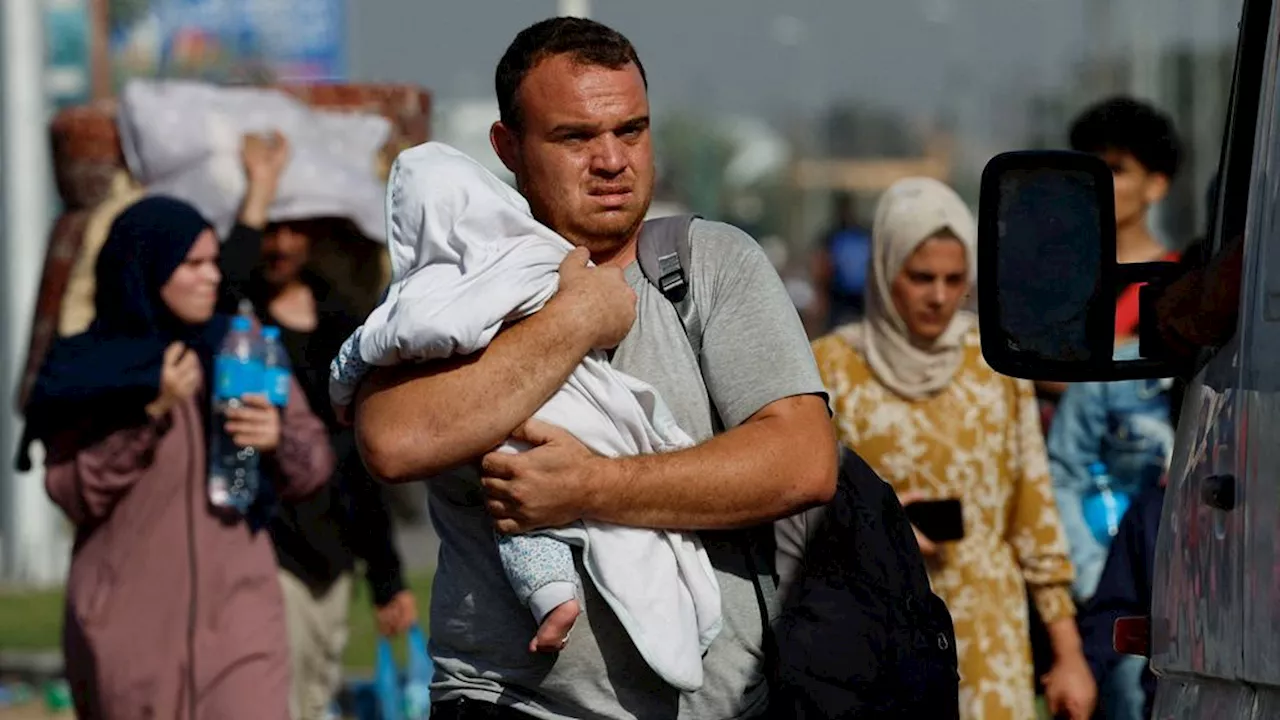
{"x": 939, "y": 520}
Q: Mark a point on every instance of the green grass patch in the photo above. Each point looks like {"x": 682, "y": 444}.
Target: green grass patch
{"x": 32, "y": 620}
{"x": 363, "y": 643}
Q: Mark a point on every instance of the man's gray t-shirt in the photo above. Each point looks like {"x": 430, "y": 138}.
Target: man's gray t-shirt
{"x": 754, "y": 351}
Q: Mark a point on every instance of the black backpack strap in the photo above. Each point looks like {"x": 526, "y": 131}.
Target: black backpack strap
{"x": 664, "y": 251}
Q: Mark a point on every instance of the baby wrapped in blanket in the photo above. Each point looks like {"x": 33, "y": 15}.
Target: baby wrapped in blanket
{"x": 467, "y": 256}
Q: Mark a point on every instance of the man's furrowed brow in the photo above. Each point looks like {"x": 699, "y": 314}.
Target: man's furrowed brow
{"x": 570, "y": 129}
{"x": 637, "y": 123}
{"x": 575, "y": 128}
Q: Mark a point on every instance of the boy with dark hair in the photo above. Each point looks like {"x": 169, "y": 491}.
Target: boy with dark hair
{"x": 1142, "y": 148}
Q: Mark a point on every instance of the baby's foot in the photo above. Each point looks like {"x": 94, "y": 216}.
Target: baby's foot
{"x": 553, "y": 633}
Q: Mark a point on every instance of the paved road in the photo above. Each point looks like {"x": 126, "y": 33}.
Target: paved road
{"x": 418, "y": 546}
{"x": 414, "y": 536}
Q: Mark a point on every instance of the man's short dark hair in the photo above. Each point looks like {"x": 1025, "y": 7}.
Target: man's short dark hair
{"x": 586, "y": 41}
{"x": 1130, "y": 126}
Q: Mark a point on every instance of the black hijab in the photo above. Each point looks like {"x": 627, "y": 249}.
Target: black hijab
{"x": 115, "y": 365}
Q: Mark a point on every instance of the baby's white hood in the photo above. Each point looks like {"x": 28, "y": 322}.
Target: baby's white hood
{"x": 444, "y": 207}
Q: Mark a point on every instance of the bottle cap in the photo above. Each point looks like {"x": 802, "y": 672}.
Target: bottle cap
{"x": 270, "y": 332}
{"x": 241, "y": 323}
{"x": 1097, "y": 468}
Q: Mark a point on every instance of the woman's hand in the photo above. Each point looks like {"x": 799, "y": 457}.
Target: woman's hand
{"x": 179, "y": 378}
{"x": 255, "y": 425}
{"x": 1069, "y": 688}
{"x": 927, "y": 547}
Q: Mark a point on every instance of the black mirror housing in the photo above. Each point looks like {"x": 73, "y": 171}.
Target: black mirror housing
{"x": 1048, "y": 279}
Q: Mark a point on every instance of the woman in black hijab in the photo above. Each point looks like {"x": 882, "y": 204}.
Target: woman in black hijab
{"x": 173, "y": 607}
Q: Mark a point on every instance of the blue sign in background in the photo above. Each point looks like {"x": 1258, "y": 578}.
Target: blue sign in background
{"x": 66, "y": 32}
{"x": 228, "y": 40}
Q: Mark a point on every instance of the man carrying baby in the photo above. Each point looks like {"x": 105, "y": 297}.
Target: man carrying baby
{"x": 574, "y": 130}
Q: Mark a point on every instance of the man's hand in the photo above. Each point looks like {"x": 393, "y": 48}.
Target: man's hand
{"x": 397, "y": 616}
{"x": 1070, "y": 689}
{"x": 598, "y": 298}
{"x": 265, "y": 158}
{"x": 548, "y": 485}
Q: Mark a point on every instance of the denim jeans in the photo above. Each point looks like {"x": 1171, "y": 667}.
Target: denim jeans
{"x": 1122, "y": 697}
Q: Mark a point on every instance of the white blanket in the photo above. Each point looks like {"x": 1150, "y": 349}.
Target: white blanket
{"x": 183, "y": 138}
{"x": 466, "y": 257}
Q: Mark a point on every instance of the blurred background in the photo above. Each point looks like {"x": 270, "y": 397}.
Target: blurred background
{"x": 765, "y": 111}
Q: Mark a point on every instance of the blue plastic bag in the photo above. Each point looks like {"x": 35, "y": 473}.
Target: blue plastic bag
{"x": 386, "y": 683}
{"x": 392, "y": 695}
{"x": 417, "y": 684}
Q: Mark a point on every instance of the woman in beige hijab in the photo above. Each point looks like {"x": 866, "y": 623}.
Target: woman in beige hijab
{"x": 913, "y": 397}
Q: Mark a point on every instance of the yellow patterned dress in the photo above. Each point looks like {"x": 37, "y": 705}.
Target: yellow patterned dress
{"x": 978, "y": 440}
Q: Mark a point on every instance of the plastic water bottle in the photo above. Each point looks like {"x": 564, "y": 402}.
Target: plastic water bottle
{"x": 275, "y": 363}
{"x": 1104, "y": 506}
{"x": 238, "y": 371}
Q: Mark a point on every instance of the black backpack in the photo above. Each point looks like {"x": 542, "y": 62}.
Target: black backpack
{"x": 860, "y": 634}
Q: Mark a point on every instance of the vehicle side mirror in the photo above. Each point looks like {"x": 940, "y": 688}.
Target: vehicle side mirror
{"x": 1048, "y": 279}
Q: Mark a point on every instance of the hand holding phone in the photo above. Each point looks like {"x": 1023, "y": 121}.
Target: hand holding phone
{"x": 938, "y": 520}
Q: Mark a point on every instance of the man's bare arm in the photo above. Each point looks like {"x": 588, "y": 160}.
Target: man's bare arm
{"x": 780, "y": 461}
{"x": 1201, "y": 308}
{"x": 415, "y": 421}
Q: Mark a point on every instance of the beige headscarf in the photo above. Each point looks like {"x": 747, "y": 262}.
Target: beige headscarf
{"x": 910, "y": 212}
